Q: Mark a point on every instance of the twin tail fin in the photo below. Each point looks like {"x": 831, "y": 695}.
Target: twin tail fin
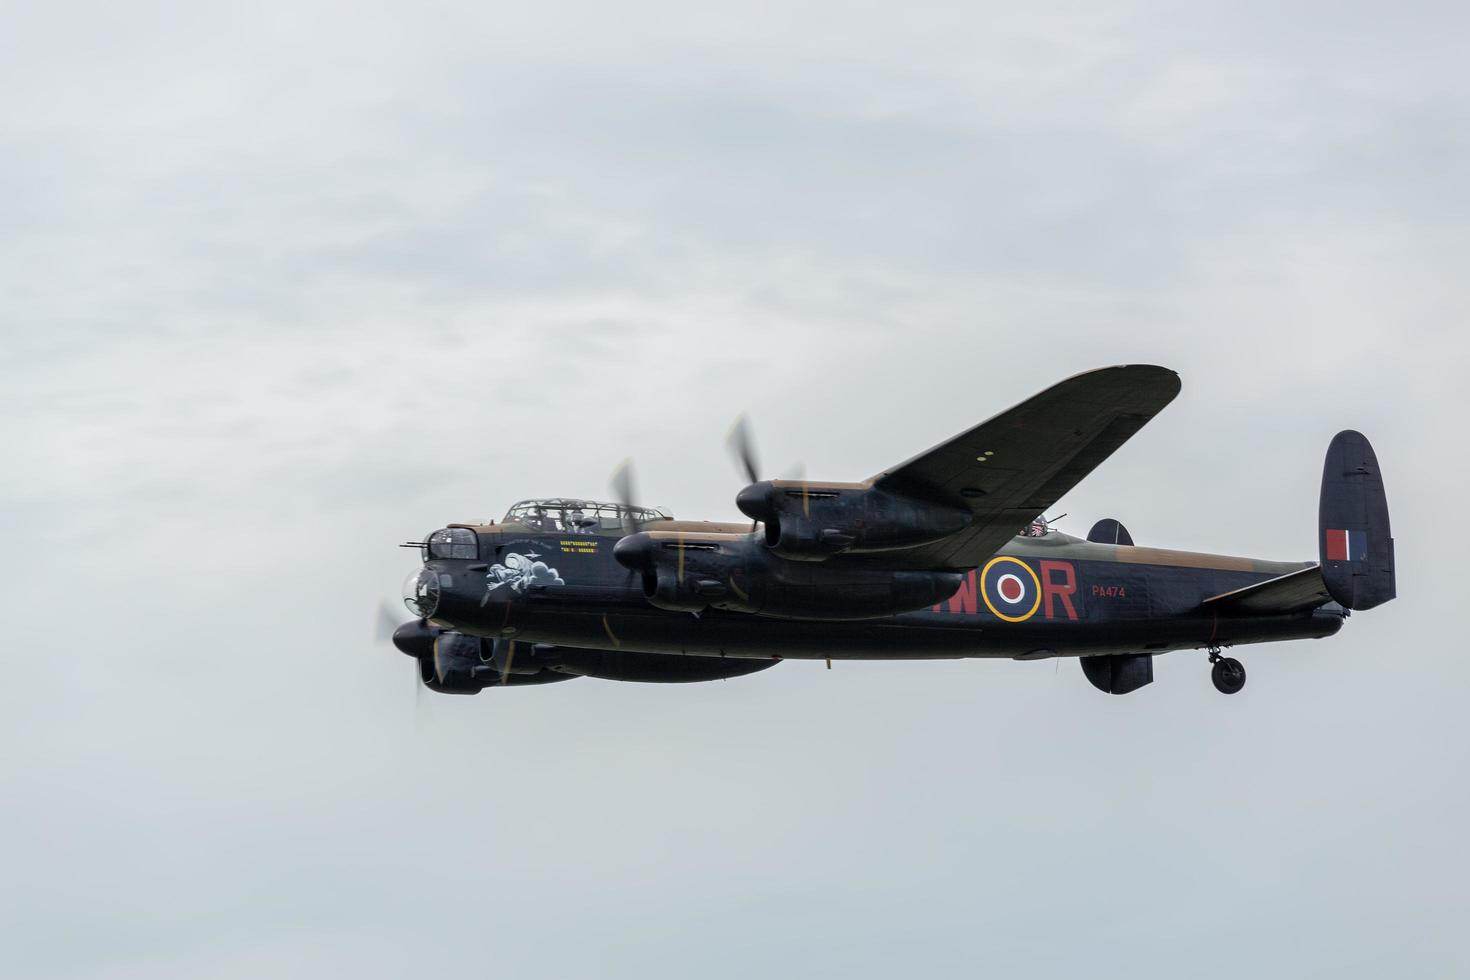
{"x": 1353, "y": 532}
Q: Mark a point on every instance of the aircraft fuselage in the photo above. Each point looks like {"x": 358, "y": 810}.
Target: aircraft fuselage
{"x": 1040, "y": 597}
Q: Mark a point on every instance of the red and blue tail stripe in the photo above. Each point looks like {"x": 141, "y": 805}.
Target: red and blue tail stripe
{"x": 1345, "y": 545}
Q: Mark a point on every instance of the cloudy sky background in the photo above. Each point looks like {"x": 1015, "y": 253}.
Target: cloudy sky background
{"x": 283, "y": 286}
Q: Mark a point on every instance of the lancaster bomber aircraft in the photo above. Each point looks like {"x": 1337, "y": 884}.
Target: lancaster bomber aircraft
{"x": 944, "y": 555}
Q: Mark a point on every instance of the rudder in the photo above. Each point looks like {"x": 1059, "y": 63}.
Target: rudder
{"x": 1352, "y": 525}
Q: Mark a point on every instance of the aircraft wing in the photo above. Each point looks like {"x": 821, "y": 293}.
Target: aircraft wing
{"x": 1289, "y": 593}
{"x": 1011, "y": 468}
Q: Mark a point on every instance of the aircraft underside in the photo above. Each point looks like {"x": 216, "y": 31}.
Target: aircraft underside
{"x": 903, "y": 638}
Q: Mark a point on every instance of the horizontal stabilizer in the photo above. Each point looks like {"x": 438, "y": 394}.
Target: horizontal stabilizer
{"x": 1289, "y": 593}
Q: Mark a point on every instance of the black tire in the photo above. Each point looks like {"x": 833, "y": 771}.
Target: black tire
{"x": 1228, "y": 675}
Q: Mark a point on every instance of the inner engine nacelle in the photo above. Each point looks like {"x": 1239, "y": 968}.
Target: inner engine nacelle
{"x": 684, "y": 573}
{"x": 455, "y": 665}
{"x": 463, "y": 664}
{"x": 811, "y": 522}
{"x": 736, "y": 572}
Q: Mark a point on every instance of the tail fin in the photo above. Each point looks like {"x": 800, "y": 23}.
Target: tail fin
{"x": 1353, "y": 531}
{"x": 1109, "y": 531}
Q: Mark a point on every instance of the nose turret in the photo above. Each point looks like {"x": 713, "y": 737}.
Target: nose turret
{"x": 421, "y": 592}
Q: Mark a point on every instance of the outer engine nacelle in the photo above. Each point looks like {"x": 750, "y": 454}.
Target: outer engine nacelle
{"x": 811, "y": 522}
{"x": 686, "y": 573}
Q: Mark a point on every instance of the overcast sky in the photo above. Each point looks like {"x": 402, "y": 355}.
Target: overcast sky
{"x": 284, "y": 285}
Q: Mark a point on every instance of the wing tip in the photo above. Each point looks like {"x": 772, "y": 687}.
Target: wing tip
{"x": 1156, "y": 372}
{"x": 1137, "y": 370}
{"x": 1164, "y": 383}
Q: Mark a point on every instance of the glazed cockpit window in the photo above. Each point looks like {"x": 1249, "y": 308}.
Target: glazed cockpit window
{"x": 452, "y": 542}
{"x": 579, "y": 516}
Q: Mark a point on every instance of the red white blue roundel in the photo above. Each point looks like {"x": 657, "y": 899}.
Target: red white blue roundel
{"x": 1010, "y": 589}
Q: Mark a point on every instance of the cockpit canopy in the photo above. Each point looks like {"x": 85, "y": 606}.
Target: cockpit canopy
{"x": 581, "y": 516}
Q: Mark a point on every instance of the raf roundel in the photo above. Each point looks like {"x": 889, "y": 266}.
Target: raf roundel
{"x": 1010, "y": 589}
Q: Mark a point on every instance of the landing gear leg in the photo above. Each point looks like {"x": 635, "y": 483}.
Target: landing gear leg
{"x": 1226, "y": 672}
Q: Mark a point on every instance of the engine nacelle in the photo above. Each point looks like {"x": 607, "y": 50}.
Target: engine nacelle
{"x": 455, "y": 665}
{"x": 689, "y": 573}
{"x": 811, "y": 522}
{"x": 467, "y": 665}
{"x": 689, "y": 590}
{"x": 685, "y": 572}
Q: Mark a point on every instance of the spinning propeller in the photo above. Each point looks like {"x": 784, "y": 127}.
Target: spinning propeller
{"x": 622, "y": 488}
{"x": 630, "y": 551}
{"x": 742, "y": 447}
{"x": 415, "y": 638}
{"x": 740, "y": 441}
{"x": 741, "y": 444}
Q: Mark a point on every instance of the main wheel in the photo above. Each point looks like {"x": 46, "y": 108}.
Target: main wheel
{"x": 1228, "y": 675}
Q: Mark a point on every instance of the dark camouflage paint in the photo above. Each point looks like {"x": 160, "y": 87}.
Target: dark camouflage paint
{"x": 1126, "y": 600}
